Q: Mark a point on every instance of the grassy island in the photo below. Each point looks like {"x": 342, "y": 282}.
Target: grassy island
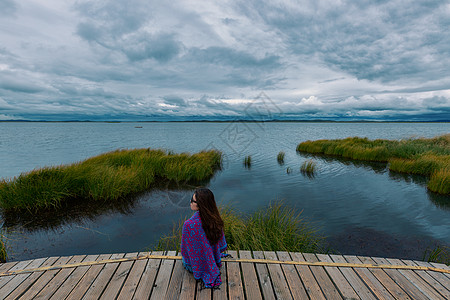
{"x": 429, "y": 157}
{"x": 106, "y": 177}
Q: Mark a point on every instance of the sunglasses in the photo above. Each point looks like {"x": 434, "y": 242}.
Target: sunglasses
{"x": 192, "y": 199}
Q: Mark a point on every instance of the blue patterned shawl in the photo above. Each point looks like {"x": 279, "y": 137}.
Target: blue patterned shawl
{"x": 199, "y": 256}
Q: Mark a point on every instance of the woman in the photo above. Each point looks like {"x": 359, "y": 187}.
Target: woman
{"x": 203, "y": 240}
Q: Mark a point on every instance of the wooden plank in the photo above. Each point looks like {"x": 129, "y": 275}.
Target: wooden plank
{"x": 221, "y": 293}
{"x": 251, "y": 285}
{"x": 396, "y": 291}
{"x": 422, "y": 285}
{"x": 145, "y": 285}
{"x": 339, "y": 279}
{"x": 188, "y": 286}
{"x": 325, "y": 283}
{"x": 441, "y": 266}
{"x": 280, "y": 284}
{"x": 430, "y": 280}
{"x": 59, "y": 278}
{"x": 6, "y": 266}
{"x": 102, "y": 280}
{"x": 202, "y": 293}
{"x": 264, "y": 278}
{"x": 19, "y": 278}
{"x": 19, "y": 266}
{"x": 132, "y": 281}
{"x": 44, "y": 279}
{"x": 89, "y": 277}
{"x": 401, "y": 280}
{"x": 369, "y": 279}
{"x": 350, "y": 274}
{"x": 174, "y": 289}
{"x": 294, "y": 282}
{"x": 30, "y": 279}
{"x": 115, "y": 283}
{"x": 71, "y": 281}
{"x": 162, "y": 279}
{"x": 442, "y": 280}
{"x": 311, "y": 285}
{"x": 235, "y": 288}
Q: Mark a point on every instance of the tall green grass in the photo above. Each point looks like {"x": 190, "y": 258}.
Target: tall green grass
{"x": 106, "y": 177}
{"x": 429, "y": 157}
{"x": 275, "y": 228}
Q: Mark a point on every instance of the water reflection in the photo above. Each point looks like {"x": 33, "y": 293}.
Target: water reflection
{"x": 441, "y": 201}
{"x": 80, "y": 211}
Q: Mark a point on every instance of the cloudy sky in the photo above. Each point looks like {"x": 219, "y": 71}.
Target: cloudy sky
{"x": 170, "y": 60}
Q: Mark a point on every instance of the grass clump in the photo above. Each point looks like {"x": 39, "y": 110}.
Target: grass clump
{"x": 308, "y": 167}
{"x": 429, "y": 157}
{"x": 3, "y": 254}
{"x": 248, "y": 161}
{"x": 106, "y": 177}
{"x": 280, "y": 157}
{"x": 275, "y": 228}
{"x": 439, "y": 254}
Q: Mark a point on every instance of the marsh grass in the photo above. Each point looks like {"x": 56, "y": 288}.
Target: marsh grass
{"x": 3, "y": 254}
{"x": 107, "y": 177}
{"x": 274, "y": 228}
{"x": 280, "y": 157}
{"x": 248, "y": 161}
{"x": 429, "y": 157}
{"x": 308, "y": 168}
{"x": 439, "y": 254}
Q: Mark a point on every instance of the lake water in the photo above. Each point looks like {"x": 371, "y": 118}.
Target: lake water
{"x": 362, "y": 208}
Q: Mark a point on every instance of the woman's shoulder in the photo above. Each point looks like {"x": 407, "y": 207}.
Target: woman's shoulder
{"x": 193, "y": 221}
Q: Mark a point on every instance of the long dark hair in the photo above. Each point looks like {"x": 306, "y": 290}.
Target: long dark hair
{"x": 212, "y": 223}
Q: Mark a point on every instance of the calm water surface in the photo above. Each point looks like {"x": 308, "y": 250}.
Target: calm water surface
{"x": 362, "y": 208}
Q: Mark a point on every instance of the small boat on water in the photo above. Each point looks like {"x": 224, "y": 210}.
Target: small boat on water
{"x": 137, "y": 126}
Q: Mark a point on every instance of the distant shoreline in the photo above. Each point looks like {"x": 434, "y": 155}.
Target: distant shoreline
{"x": 224, "y": 121}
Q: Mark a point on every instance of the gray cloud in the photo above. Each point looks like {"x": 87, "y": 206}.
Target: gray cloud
{"x": 375, "y": 40}
{"x": 8, "y": 8}
{"x": 175, "y": 100}
{"x": 143, "y": 59}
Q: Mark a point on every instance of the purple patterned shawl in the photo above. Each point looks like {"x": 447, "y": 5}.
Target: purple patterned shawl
{"x": 199, "y": 256}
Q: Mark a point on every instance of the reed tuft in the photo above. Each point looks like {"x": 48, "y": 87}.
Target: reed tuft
{"x": 248, "y": 161}
{"x": 3, "y": 254}
{"x": 280, "y": 157}
{"x": 308, "y": 168}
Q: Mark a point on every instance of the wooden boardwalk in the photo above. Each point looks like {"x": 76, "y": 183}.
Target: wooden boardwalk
{"x": 167, "y": 279}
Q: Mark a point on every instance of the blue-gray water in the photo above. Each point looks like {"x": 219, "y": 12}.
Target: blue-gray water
{"x": 362, "y": 208}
